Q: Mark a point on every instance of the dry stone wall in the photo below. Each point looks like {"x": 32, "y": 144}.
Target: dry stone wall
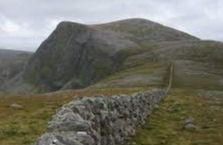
{"x": 100, "y": 120}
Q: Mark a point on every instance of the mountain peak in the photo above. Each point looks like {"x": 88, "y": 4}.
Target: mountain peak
{"x": 69, "y": 23}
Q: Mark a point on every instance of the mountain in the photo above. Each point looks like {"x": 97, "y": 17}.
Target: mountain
{"x": 78, "y": 55}
{"x": 74, "y": 56}
{"x": 11, "y": 63}
{"x": 132, "y": 52}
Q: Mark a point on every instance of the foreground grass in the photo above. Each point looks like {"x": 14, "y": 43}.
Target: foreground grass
{"x": 24, "y": 126}
{"x": 165, "y": 126}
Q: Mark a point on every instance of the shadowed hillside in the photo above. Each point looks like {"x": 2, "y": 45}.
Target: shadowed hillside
{"x": 11, "y": 64}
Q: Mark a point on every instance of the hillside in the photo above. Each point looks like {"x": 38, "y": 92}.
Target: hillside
{"x": 11, "y": 64}
{"x": 142, "y": 30}
{"x": 197, "y": 64}
{"x": 166, "y": 125}
{"x": 77, "y": 55}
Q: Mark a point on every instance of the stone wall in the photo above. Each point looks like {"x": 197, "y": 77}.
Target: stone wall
{"x": 100, "y": 120}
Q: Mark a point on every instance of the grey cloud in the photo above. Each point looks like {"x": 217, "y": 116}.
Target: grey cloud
{"x": 24, "y": 24}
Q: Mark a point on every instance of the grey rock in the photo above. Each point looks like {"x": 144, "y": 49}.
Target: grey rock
{"x": 156, "y": 106}
{"x": 100, "y": 120}
{"x": 189, "y": 124}
{"x": 84, "y": 138}
{"x": 16, "y": 106}
{"x": 190, "y": 127}
{"x": 189, "y": 120}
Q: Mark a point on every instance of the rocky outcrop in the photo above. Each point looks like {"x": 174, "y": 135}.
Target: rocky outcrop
{"x": 100, "y": 120}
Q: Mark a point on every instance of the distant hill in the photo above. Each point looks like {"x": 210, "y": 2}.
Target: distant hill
{"x": 11, "y": 64}
{"x": 132, "y": 52}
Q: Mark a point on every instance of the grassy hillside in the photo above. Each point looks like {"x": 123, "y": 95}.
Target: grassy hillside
{"x": 197, "y": 64}
{"x": 152, "y": 74}
{"x": 24, "y": 126}
{"x": 166, "y": 124}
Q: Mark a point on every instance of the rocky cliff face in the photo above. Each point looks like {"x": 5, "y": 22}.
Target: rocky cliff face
{"x": 74, "y": 56}
{"x": 100, "y": 120}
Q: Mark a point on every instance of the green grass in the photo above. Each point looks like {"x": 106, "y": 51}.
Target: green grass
{"x": 149, "y": 74}
{"x": 146, "y": 69}
{"x": 23, "y": 127}
{"x": 165, "y": 125}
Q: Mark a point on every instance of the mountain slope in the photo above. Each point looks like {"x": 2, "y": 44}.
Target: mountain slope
{"x": 197, "y": 64}
{"x": 11, "y": 63}
{"x": 142, "y": 30}
{"x": 77, "y": 55}
{"x": 74, "y": 56}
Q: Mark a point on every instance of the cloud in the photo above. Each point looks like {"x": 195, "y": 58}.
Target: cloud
{"x": 24, "y": 24}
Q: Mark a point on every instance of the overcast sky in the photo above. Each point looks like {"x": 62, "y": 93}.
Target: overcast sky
{"x": 24, "y": 24}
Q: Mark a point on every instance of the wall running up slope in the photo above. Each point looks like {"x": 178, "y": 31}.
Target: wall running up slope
{"x": 100, "y": 120}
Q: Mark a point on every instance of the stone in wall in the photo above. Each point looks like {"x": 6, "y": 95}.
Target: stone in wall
{"x": 100, "y": 120}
